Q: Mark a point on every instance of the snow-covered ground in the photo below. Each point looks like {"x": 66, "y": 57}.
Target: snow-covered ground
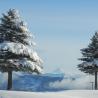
{"x": 64, "y": 94}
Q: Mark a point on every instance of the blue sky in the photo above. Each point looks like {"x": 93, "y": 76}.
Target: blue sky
{"x": 61, "y": 28}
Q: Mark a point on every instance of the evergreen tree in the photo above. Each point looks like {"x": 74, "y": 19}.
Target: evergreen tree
{"x": 16, "y": 47}
{"x": 90, "y": 58}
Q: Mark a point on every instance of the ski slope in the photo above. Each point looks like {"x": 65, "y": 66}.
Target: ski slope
{"x": 64, "y": 94}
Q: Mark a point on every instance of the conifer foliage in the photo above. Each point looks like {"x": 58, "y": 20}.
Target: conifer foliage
{"x": 90, "y": 58}
{"x": 16, "y": 46}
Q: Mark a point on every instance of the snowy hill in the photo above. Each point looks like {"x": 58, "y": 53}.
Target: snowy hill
{"x": 64, "y": 94}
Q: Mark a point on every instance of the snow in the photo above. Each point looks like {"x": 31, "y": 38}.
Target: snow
{"x": 64, "y": 94}
{"x": 21, "y": 49}
{"x": 92, "y": 63}
{"x": 11, "y": 22}
{"x": 96, "y": 62}
{"x": 24, "y": 62}
{"x": 87, "y": 64}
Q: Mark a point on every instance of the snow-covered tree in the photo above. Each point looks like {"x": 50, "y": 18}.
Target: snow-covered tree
{"x": 16, "y": 47}
{"x": 90, "y": 58}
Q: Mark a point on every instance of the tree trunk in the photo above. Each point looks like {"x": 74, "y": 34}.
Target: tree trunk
{"x": 9, "y": 86}
{"x": 95, "y": 80}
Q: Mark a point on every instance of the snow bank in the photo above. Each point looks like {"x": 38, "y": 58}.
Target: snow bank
{"x": 65, "y": 94}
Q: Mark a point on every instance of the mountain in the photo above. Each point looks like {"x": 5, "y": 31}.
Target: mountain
{"x": 29, "y": 82}
{"x": 54, "y": 81}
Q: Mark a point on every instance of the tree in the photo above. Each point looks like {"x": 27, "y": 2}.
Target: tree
{"x": 90, "y": 58}
{"x": 16, "y": 47}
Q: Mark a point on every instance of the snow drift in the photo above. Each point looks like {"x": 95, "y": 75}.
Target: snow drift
{"x": 64, "y": 94}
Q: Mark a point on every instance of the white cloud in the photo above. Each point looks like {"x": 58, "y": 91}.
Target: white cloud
{"x": 68, "y": 83}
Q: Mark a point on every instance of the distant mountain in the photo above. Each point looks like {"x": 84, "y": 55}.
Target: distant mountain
{"x": 58, "y": 71}
{"x": 28, "y": 82}
{"x": 36, "y": 82}
{"x": 56, "y": 81}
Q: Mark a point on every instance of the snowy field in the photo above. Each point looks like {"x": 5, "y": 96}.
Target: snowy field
{"x": 64, "y": 94}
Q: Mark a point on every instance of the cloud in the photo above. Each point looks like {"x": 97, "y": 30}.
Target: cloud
{"x": 83, "y": 82}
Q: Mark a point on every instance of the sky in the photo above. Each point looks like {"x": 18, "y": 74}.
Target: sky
{"x": 61, "y": 28}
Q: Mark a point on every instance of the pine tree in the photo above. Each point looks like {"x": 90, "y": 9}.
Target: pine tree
{"x": 90, "y": 58}
{"x": 16, "y": 47}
